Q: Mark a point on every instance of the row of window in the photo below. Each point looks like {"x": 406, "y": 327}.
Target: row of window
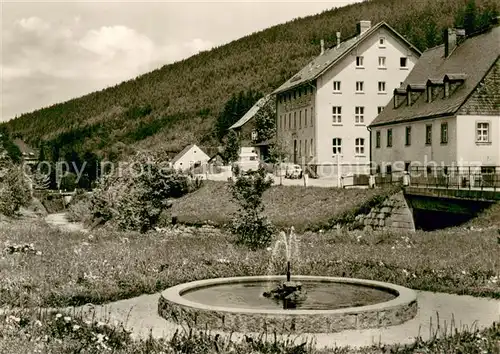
{"x": 428, "y": 136}
{"x": 403, "y": 62}
{"x": 302, "y": 91}
{"x": 360, "y": 87}
{"x": 482, "y": 134}
{"x": 305, "y": 119}
{"x": 382, "y": 64}
{"x": 308, "y": 149}
{"x": 359, "y": 114}
{"x": 359, "y": 146}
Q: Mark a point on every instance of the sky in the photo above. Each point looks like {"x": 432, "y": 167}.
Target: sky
{"x": 54, "y": 51}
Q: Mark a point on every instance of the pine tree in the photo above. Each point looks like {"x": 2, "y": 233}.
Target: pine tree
{"x": 232, "y": 149}
{"x": 470, "y": 15}
{"x": 431, "y": 34}
{"x": 265, "y": 121}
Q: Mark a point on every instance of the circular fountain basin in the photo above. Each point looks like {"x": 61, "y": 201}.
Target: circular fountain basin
{"x": 331, "y": 305}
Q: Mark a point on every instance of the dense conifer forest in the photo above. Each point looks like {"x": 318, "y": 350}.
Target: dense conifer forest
{"x": 188, "y": 101}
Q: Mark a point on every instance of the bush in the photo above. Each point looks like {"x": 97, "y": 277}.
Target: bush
{"x": 135, "y": 197}
{"x": 80, "y": 208}
{"x": 14, "y": 189}
{"x": 68, "y": 182}
{"x": 251, "y": 227}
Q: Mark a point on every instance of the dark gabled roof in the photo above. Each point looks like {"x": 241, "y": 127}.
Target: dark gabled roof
{"x": 251, "y": 112}
{"x": 331, "y": 56}
{"x": 468, "y": 63}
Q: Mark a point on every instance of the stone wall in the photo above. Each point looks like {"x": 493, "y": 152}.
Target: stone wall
{"x": 393, "y": 214}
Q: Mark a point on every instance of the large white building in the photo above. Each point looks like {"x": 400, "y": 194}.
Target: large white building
{"x": 447, "y": 115}
{"x": 323, "y": 111}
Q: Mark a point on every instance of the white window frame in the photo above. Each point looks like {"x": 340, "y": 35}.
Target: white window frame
{"x": 337, "y": 86}
{"x": 359, "y": 115}
{"x": 381, "y": 63}
{"x": 408, "y": 135}
{"x": 380, "y": 109}
{"x": 382, "y": 87}
{"x": 336, "y": 115}
{"x": 444, "y": 137}
{"x": 359, "y": 147}
{"x": 360, "y": 61}
{"x": 428, "y": 134}
{"x": 337, "y": 146}
{"x": 360, "y": 86}
{"x": 389, "y": 137}
{"x": 381, "y": 42}
{"x": 483, "y": 132}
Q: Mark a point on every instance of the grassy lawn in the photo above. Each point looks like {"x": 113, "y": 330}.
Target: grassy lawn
{"x": 52, "y": 268}
{"x": 310, "y": 208}
{"x": 77, "y": 268}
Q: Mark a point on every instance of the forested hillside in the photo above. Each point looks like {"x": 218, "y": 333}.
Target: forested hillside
{"x": 179, "y": 103}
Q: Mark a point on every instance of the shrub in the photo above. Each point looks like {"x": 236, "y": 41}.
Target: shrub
{"x": 68, "y": 182}
{"x": 14, "y": 189}
{"x": 251, "y": 227}
{"x": 80, "y": 208}
{"x": 135, "y": 197}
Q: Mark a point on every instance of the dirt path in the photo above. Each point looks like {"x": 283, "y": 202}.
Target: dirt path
{"x": 60, "y": 221}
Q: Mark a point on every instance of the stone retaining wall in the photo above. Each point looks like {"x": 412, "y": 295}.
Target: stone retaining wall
{"x": 393, "y": 214}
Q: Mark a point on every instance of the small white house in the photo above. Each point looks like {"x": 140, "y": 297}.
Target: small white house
{"x": 190, "y": 156}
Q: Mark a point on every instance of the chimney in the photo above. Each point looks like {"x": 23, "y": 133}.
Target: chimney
{"x": 322, "y": 46}
{"x": 450, "y": 41}
{"x": 363, "y": 26}
{"x": 338, "y": 39}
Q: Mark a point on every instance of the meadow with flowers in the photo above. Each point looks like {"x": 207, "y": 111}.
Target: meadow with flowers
{"x": 45, "y": 267}
{"x": 68, "y": 269}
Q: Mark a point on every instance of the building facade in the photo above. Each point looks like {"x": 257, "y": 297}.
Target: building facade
{"x": 448, "y": 113}
{"x": 324, "y": 110}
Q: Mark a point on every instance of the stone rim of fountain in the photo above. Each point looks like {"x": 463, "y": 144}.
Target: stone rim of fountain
{"x": 172, "y": 305}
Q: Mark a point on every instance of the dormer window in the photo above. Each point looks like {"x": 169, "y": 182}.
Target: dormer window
{"x": 431, "y": 86}
{"x": 398, "y": 93}
{"x": 413, "y": 92}
{"x": 451, "y": 81}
